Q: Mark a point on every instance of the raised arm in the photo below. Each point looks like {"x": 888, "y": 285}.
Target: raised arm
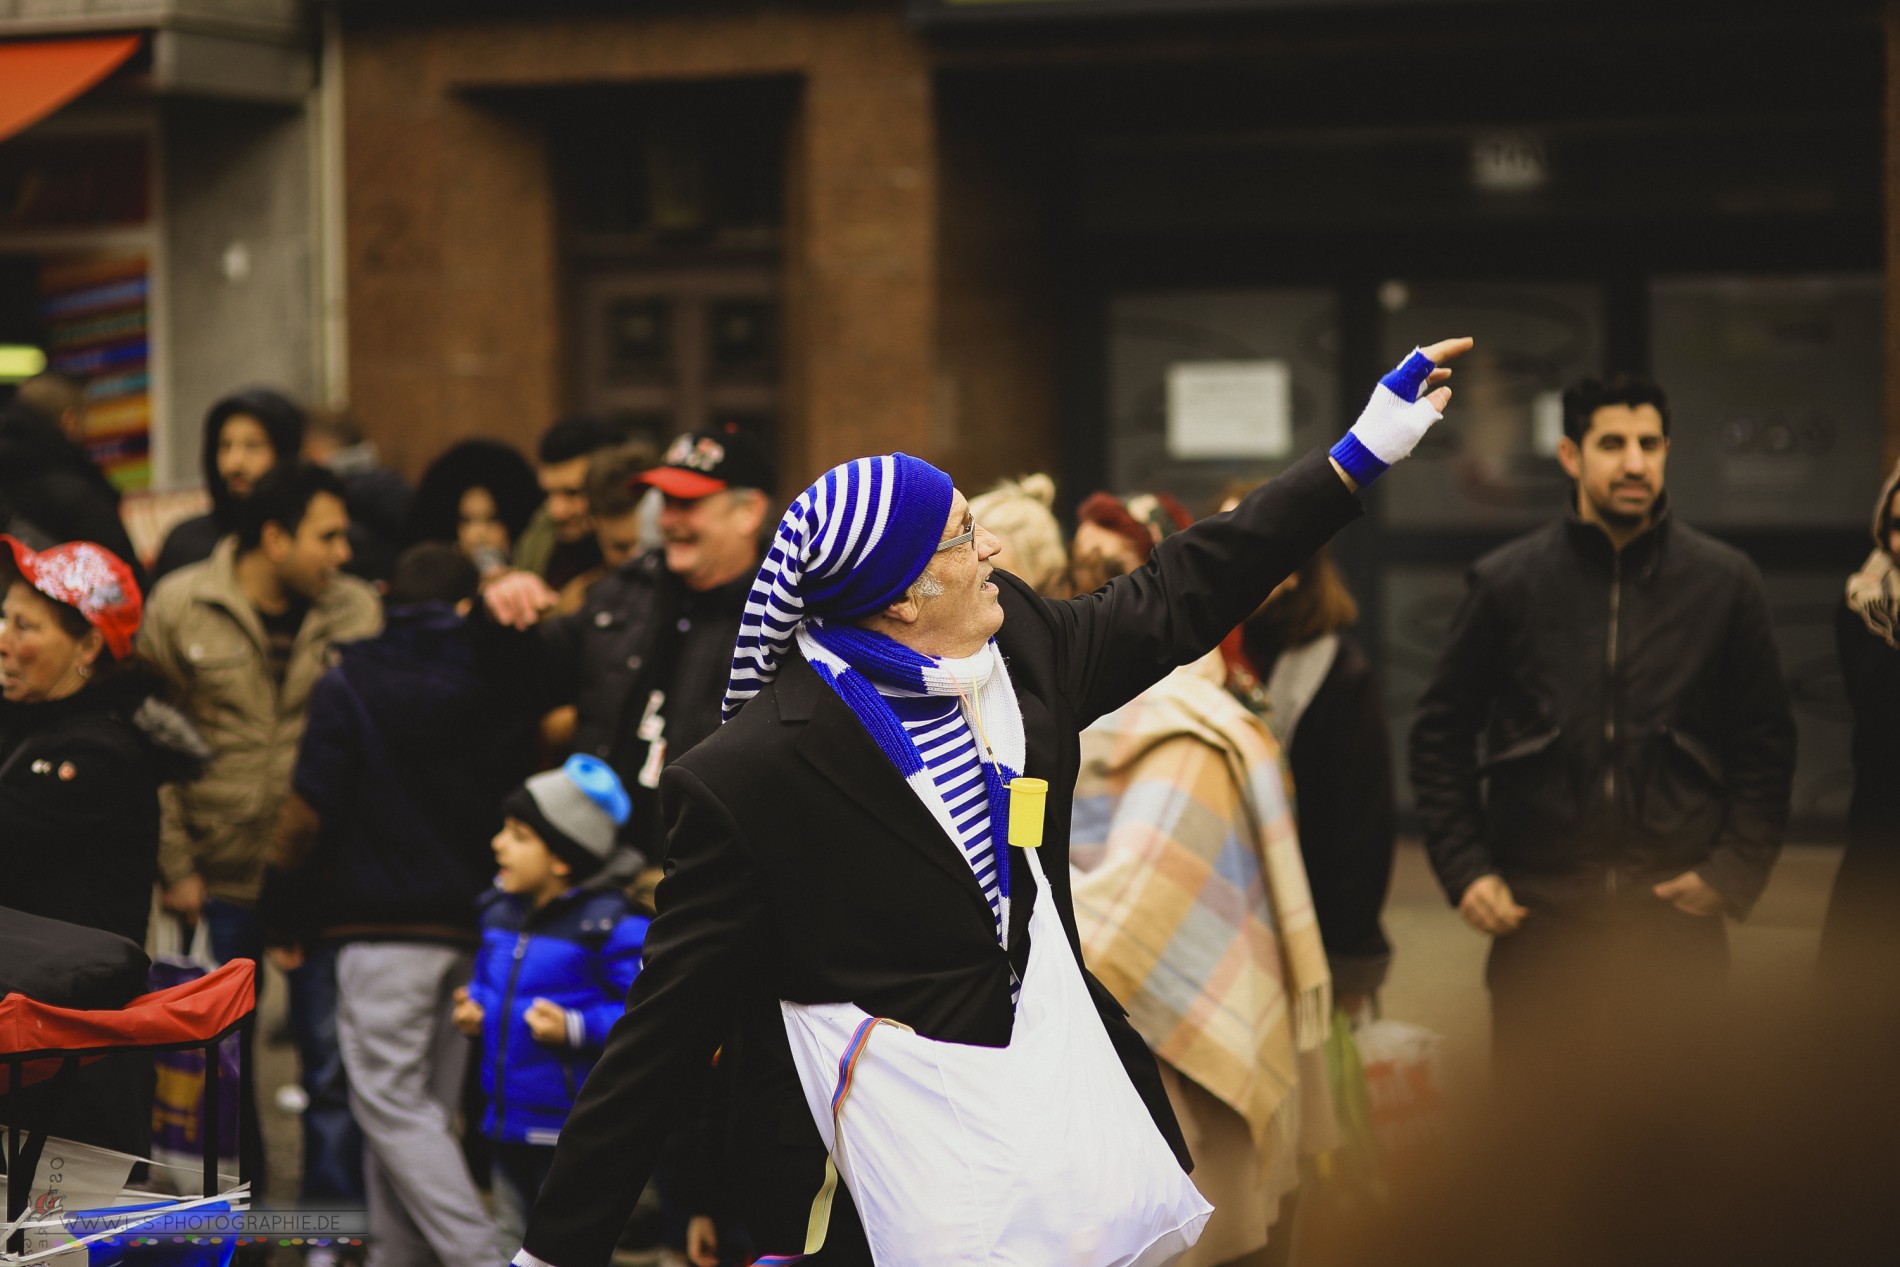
{"x": 1200, "y": 583}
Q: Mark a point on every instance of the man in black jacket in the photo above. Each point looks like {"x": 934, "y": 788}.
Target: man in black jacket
{"x": 803, "y": 866}
{"x": 644, "y": 662}
{"x": 1638, "y": 748}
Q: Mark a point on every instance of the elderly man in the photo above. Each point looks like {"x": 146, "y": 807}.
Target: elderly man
{"x": 837, "y": 845}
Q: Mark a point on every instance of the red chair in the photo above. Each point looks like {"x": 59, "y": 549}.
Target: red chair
{"x": 42, "y": 1043}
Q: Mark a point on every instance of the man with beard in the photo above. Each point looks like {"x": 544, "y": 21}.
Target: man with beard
{"x": 1638, "y": 747}
{"x": 558, "y": 543}
{"x": 645, "y": 659}
{"x": 247, "y": 434}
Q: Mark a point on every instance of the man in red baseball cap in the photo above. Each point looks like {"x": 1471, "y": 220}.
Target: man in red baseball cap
{"x": 711, "y": 538}
{"x": 645, "y": 659}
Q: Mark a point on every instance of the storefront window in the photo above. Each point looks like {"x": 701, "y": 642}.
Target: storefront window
{"x": 1774, "y": 390}
{"x": 1496, "y": 465}
{"x": 1209, "y": 388}
{"x": 75, "y": 259}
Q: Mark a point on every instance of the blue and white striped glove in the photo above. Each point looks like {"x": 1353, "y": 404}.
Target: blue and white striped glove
{"x": 1393, "y": 422}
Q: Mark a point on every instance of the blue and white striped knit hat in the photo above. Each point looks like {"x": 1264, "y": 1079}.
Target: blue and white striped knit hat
{"x": 850, "y": 544}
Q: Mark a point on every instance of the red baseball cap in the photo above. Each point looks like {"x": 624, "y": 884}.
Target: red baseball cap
{"x": 90, "y": 579}
{"x": 701, "y": 463}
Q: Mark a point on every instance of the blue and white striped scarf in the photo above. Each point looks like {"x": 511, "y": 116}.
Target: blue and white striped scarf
{"x": 863, "y": 666}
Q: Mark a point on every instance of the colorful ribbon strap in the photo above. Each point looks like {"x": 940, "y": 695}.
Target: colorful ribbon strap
{"x": 820, "y": 1220}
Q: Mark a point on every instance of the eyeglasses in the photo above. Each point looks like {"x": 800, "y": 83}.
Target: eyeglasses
{"x": 968, "y": 534}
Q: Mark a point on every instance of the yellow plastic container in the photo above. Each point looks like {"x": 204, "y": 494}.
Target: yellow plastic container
{"x": 1028, "y": 798}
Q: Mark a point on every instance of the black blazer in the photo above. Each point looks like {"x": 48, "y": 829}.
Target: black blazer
{"x": 800, "y": 866}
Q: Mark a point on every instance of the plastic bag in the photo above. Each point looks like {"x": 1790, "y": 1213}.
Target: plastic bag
{"x": 178, "y": 1116}
{"x": 1405, "y": 1088}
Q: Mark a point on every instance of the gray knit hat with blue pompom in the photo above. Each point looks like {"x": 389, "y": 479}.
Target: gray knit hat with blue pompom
{"x": 576, "y": 810}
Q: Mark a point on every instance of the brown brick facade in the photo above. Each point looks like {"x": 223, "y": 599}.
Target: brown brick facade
{"x": 455, "y": 274}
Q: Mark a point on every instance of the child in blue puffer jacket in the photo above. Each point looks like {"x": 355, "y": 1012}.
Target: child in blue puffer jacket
{"x": 558, "y": 955}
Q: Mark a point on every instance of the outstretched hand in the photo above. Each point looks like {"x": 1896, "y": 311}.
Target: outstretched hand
{"x": 517, "y": 599}
{"x": 1403, "y": 407}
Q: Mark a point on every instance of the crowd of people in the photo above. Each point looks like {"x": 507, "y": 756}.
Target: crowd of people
{"x": 409, "y": 746}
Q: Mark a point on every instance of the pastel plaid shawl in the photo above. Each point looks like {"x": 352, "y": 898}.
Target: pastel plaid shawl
{"x": 1192, "y": 899}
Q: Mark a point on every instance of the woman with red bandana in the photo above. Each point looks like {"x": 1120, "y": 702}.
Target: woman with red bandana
{"x": 87, "y": 738}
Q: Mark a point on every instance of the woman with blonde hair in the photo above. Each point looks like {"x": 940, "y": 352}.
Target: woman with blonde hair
{"x": 1017, "y": 513}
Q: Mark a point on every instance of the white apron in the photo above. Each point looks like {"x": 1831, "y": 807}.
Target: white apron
{"x": 1038, "y": 1154}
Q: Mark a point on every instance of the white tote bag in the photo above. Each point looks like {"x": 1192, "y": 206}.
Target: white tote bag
{"x": 1038, "y": 1154}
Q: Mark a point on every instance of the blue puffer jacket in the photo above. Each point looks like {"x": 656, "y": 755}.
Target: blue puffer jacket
{"x": 581, "y": 951}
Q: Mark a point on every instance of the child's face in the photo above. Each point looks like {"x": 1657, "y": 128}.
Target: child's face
{"x": 527, "y": 864}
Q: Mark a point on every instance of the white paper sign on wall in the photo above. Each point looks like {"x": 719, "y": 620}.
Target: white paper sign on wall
{"x": 1229, "y": 409}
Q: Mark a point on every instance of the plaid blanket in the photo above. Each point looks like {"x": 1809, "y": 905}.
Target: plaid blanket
{"x": 1192, "y": 899}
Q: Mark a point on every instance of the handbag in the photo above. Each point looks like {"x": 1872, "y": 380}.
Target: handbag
{"x": 1029, "y": 1155}
{"x": 178, "y": 1109}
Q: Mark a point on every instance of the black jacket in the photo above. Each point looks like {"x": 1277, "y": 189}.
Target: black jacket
{"x": 79, "y": 780}
{"x": 800, "y": 866}
{"x": 641, "y": 632}
{"x": 407, "y": 752}
{"x": 1860, "y": 940}
{"x": 1870, "y": 672}
{"x": 1634, "y": 720}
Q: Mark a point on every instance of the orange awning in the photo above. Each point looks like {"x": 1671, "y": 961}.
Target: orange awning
{"x": 38, "y": 77}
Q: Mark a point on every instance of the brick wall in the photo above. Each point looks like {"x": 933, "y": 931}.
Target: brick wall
{"x": 456, "y": 312}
